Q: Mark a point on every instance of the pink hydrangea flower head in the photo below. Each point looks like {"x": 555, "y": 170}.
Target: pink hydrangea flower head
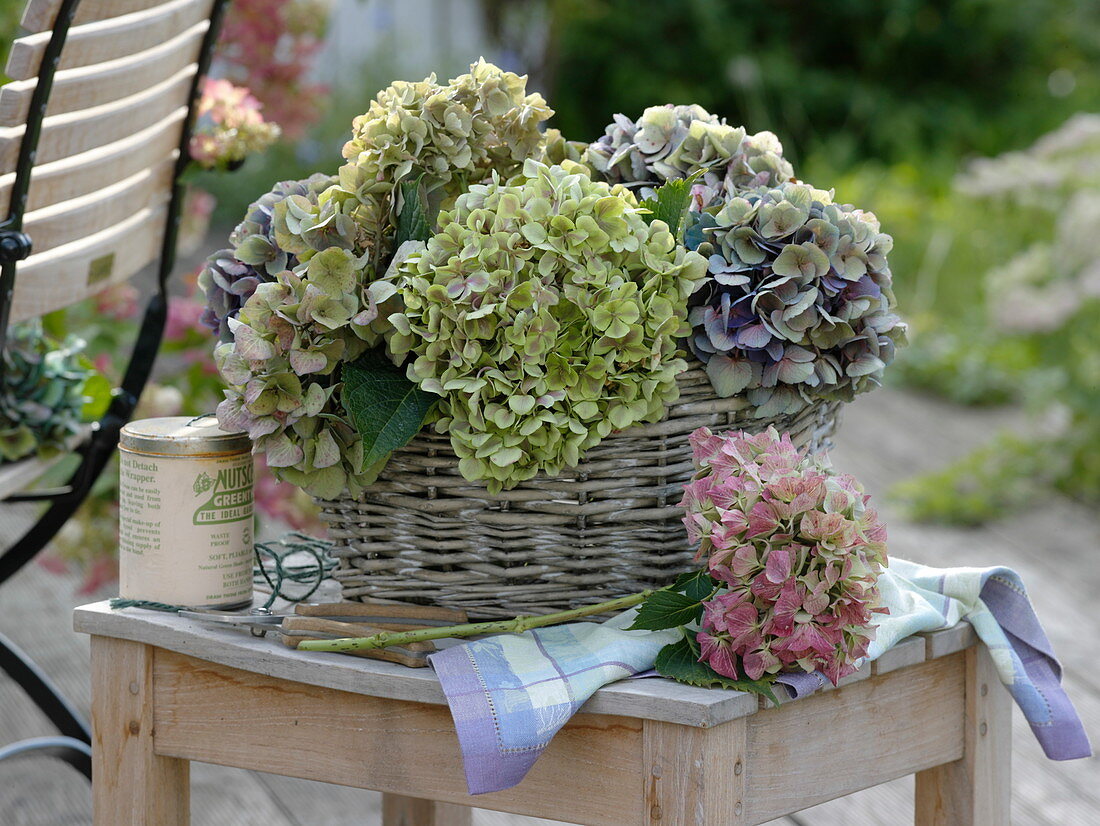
{"x": 229, "y": 125}
{"x": 798, "y": 549}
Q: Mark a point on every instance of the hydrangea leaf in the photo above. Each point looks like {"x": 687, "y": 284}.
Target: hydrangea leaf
{"x": 97, "y": 393}
{"x": 670, "y": 202}
{"x": 697, "y": 585}
{"x": 413, "y": 223}
{"x": 680, "y": 661}
{"x": 666, "y": 609}
{"x": 386, "y": 408}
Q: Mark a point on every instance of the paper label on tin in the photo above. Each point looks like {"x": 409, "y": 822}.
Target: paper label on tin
{"x": 230, "y": 496}
{"x": 185, "y": 528}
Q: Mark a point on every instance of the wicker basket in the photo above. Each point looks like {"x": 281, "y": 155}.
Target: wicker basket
{"x": 609, "y": 527}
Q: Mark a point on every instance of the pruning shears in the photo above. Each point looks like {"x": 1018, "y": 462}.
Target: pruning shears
{"x": 337, "y": 620}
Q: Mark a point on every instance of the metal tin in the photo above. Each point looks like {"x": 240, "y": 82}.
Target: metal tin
{"x": 185, "y": 513}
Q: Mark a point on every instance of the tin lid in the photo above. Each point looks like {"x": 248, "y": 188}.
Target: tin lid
{"x": 182, "y": 436}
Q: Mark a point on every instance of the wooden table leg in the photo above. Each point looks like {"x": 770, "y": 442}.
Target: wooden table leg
{"x": 694, "y": 776}
{"x": 976, "y": 790}
{"x": 398, "y": 810}
{"x": 131, "y": 785}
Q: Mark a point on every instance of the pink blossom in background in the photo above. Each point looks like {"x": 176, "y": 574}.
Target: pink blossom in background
{"x": 269, "y": 46}
{"x": 229, "y": 125}
{"x": 119, "y": 301}
{"x": 183, "y": 318}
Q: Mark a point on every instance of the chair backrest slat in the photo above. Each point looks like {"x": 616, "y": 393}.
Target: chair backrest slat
{"x": 91, "y": 86}
{"x": 39, "y": 15}
{"x": 107, "y": 40}
{"x": 76, "y": 132}
{"x": 70, "y": 221}
{"x": 98, "y": 168}
{"x": 108, "y": 145}
{"x": 60, "y": 276}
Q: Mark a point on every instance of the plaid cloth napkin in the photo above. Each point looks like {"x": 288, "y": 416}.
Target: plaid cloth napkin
{"x": 510, "y": 694}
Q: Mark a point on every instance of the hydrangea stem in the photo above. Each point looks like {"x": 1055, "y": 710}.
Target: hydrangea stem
{"x": 516, "y": 625}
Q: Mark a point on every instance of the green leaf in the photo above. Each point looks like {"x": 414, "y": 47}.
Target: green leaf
{"x": 666, "y": 609}
{"x": 413, "y": 223}
{"x": 680, "y": 661}
{"x": 386, "y": 408}
{"x": 97, "y": 392}
{"x": 671, "y": 203}
{"x": 697, "y": 585}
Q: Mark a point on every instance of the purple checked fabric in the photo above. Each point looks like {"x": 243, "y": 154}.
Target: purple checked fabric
{"x": 510, "y": 694}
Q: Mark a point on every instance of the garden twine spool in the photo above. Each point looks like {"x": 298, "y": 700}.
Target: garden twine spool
{"x": 185, "y": 513}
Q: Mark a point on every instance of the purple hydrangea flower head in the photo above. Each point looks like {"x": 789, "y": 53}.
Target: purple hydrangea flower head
{"x": 231, "y": 276}
{"x": 798, "y": 302}
{"x": 669, "y": 142}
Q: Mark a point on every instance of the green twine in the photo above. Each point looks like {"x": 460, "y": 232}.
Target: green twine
{"x": 311, "y": 574}
{"x": 119, "y": 602}
{"x": 270, "y": 568}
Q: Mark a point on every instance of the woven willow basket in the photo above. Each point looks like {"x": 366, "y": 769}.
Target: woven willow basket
{"x": 609, "y": 527}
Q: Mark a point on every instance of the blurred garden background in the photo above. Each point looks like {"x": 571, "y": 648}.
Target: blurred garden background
{"x": 970, "y": 127}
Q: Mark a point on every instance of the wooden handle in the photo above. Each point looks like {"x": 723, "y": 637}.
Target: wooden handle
{"x": 296, "y": 629}
{"x": 375, "y": 608}
{"x": 335, "y": 630}
{"x": 391, "y": 655}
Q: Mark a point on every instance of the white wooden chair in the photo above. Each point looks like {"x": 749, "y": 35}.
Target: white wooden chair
{"x": 94, "y": 128}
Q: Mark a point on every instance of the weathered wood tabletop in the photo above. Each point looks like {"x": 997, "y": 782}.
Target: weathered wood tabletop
{"x": 167, "y": 690}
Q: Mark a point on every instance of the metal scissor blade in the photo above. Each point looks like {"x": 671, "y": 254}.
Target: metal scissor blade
{"x": 235, "y": 618}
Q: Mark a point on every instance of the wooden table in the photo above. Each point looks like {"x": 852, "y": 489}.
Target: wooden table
{"x": 653, "y": 752}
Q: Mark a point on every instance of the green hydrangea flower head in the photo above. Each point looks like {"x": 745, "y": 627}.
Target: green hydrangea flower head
{"x": 546, "y": 313}
{"x": 455, "y": 133}
{"x": 350, "y": 214}
{"x": 557, "y": 149}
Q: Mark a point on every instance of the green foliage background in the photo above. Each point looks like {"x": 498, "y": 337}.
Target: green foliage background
{"x": 892, "y": 80}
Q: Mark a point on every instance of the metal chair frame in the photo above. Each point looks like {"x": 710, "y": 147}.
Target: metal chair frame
{"x": 74, "y": 745}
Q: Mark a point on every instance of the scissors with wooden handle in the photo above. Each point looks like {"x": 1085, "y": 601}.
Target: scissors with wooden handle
{"x": 336, "y": 620}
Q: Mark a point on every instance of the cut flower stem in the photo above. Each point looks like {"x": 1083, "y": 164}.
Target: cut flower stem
{"x": 516, "y": 625}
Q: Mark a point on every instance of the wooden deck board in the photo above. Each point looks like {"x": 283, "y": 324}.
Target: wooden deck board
{"x": 886, "y": 436}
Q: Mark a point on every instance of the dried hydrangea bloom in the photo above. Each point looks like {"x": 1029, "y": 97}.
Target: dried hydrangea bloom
{"x": 669, "y": 142}
{"x": 798, "y": 302}
{"x": 456, "y": 133}
{"x": 290, "y": 336}
{"x": 546, "y": 313}
{"x": 556, "y": 149}
{"x": 797, "y": 550}
{"x": 229, "y": 126}
{"x": 42, "y": 394}
{"x": 352, "y": 215}
{"x": 230, "y": 276}
{"x": 1048, "y": 284}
